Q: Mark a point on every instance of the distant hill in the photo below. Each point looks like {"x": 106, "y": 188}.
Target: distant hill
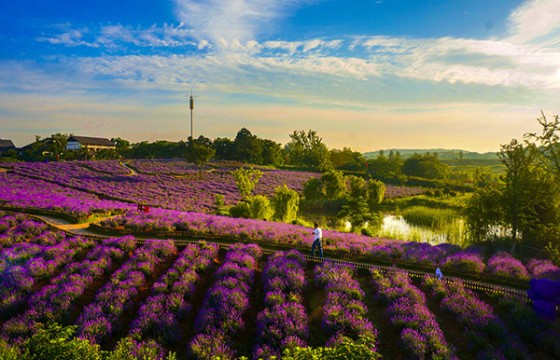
{"x": 443, "y": 154}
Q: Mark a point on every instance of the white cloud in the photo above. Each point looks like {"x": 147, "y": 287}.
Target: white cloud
{"x": 534, "y": 21}
{"x": 227, "y": 24}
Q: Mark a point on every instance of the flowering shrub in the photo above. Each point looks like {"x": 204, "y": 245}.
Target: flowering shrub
{"x": 224, "y": 304}
{"x": 159, "y": 315}
{"x": 283, "y": 322}
{"x": 540, "y": 269}
{"x": 503, "y": 264}
{"x": 98, "y": 318}
{"x": 419, "y": 331}
{"x": 344, "y": 313}
{"x": 465, "y": 262}
{"x": 486, "y": 333}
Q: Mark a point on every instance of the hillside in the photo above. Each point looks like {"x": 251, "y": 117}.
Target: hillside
{"x": 443, "y": 154}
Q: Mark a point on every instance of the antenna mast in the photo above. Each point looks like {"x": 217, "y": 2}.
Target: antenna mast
{"x": 191, "y": 106}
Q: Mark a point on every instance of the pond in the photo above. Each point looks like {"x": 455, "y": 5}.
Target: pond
{"x": 395, "y": 227}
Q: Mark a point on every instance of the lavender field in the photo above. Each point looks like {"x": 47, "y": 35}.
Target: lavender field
{"x": 201, "y": 301}
{"x": 254, "y": 297}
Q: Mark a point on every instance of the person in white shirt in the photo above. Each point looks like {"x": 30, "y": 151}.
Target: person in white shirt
{"x": 317, "y": 237}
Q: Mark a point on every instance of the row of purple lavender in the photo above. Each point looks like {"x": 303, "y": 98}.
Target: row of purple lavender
{"x": 283, "y": 322}
{"x": 344, "y": 312}
{"x": 100, "y": 318}
{"x": 225, "y": 303}
{"x": 486, "y": 334}
{"x": 420, "y": 334}
{"x": 170, "y": 301}
{"x": 470, "y": 262}
{"x": 53, "y": 302}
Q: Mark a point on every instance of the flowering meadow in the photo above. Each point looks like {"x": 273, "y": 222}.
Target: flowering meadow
{"x": 199, "y": 301}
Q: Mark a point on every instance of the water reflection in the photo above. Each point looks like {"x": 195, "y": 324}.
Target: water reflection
{"x": 395, "y": 227}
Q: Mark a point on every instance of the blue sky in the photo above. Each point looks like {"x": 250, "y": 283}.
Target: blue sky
{"x": 368, "y": 74}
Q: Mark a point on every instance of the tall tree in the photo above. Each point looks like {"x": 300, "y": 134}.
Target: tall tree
{"x": 199, "y": 151}
{"x": 307, "y": 149}
{"x": 517, "y": 201}
{"x": 246, "y": 180}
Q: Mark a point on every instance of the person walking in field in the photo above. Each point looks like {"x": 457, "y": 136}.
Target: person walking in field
{"x": 317, "y": 238}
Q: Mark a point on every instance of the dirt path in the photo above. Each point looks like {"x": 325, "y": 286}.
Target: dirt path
{"x": 130, "y": 170}
{"x": 83, "y": 229}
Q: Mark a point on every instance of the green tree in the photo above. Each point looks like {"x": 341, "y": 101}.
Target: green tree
{"x": 357, "y": 186}
{"x": 285, "y": 203}
{"x": 375, "y": 194}
{"x": 121, "y": 146}
{"x": 334, "y": 185}
{"x": 483, "y": 212}
{"x": 259, "y": 206}
{"x": 548, "y": 143}
{"x": 307, "y": 149}
{"x": 246, "y": 180}
{"x": 517, "y": 198}
{"x": 426, "y": 166}
{"x": 346, "y": 159}
{"x": 224, "y": 149}
{"x": 272, "y": 153}
{"x": 199, "y": 151}
{"x": 356, "y": 211}
{"x": 247, "y": 147}
{"x": 313, "y": 189}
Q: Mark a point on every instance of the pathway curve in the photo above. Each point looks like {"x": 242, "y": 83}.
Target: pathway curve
{"x": 83, "y": 230}
{"x": 130, "y": 170}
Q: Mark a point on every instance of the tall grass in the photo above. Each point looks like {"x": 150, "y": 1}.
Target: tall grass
{"x": 435, "y": 219}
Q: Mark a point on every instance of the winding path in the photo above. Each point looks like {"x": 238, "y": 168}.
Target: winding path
{"x": 83, "y": 230}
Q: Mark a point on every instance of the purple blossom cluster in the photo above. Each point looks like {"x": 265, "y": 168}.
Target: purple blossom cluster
{"x": 159, "y": 315}
{"x": 53, "y": 301}
{"x": 192, "y": 190}
{"x": 105, "y": 166}
{"x": 541, "y": 268}
{"x": 25, "y": 263}
{"x": 161, "y": 220}
{"x": 19, "y": 228}
{"x": 99, "y": 318}
{"x": 466, "y": 261}
{"x": 21, "y": 191}
{"x": 344, "y": 313}
{"x": 487, "y": 335}
{"x": 221, "y": 316}
{"x": 505, "y": 265}
{"x": 283, "y": 322}
{"x": 420, "y": 333}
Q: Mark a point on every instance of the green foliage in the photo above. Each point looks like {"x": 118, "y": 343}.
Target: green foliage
{"x": 346, "y": 159}
{"x": 425, "y": 166}
{"x": 246, "y": 180}
{"x": 58, "y": 343}
{"x": 129, "y": 349}
{"x": 387, "y": 168}
{"x": 307, "y": 149}
{"x": 375, "y": 193}
{"x": 553, "y": 251}
{"x": 199, "y": 151}
{"x": 483, "y": 211}
{"x": 285, "y": 203}
{"x": 259, "y": 207}
{"x": 8, "y": 352}
{"x": 356, "y": 212}
{"x": 161, "y": 149}
{"x": 240, "y": 210}
{"x": 363, "y": 348}
{"x": 313, "y": 189}
{"x": 357, "y": 186}
{"x": 333, "y": 185}
{"x": 220, "y": 204}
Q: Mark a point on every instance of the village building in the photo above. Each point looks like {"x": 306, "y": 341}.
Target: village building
{"x": 89, "y": 143}
{"x": 6, "y": 145}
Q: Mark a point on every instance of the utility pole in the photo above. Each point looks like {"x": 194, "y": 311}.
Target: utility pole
{"x": 191, "y": 103}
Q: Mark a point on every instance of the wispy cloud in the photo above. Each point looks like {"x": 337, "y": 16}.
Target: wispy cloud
{"x": 230, "y": 24}
{"x": 536, "y": 21}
